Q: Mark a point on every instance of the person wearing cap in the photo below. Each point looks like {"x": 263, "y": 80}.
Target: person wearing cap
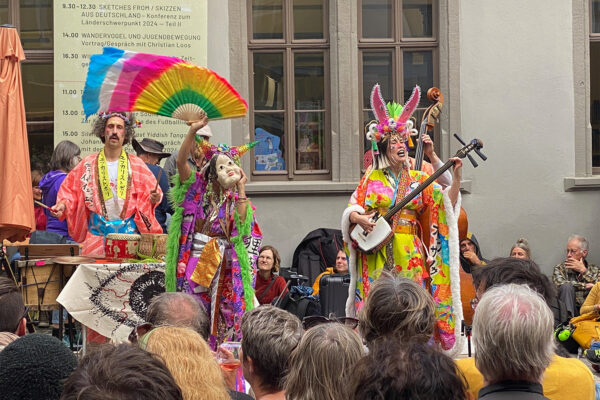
{"x": 195, "y": 159}
{"x": 151, "y": 152}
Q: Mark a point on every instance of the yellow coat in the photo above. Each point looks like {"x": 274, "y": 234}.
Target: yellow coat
{"x": 564, "y": 379}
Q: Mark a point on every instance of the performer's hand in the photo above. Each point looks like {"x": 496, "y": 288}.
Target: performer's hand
{"x": 428, "y": 146}
{"x": 364, "y": 220}
{"x": 241, "y": 184}
{"x": 576, "y": 265}
{"x": 588, "y": 286}
{"x": 196, "y": 125}
{"x": 154, "y": 197}
{"x": 58, "y": 210}
{"x": 472, "y": 257}
{"x": 457, "y": 170}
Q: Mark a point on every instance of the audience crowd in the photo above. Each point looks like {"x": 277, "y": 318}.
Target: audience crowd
{"x": 388, "y": 353}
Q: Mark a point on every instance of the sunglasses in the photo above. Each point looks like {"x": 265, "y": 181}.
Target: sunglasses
{"x": 139, "y": 331}
{"x": 314, "y": 320}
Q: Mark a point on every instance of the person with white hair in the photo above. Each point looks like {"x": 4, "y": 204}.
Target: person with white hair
{"x": 575, "y": 277}
{"x": 512, "y": 335}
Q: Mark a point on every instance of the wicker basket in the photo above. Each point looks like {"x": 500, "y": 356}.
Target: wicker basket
{"x": 153, "y": 245}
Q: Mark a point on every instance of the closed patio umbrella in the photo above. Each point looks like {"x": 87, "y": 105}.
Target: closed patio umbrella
{"x": 16, "y": 196}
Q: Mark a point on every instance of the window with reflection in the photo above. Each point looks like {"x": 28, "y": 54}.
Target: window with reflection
{"x": 33, "y": 20}
{"x": 36, "y": 24}
{"x": 595, "y": 83}
{"x": 4, "y": 12}
{"x": 38, "y": 91}
{"x": 290, "y": 103}
{"x": 398, "y": 48}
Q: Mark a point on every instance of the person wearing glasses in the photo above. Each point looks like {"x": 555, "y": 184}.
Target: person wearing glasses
{"x": 575, "y": 277}
{"x": 13, "y": 313}
{"x": 268, "y": 284}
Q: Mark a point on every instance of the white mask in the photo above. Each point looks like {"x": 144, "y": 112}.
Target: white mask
{"x": 228, "y": 173}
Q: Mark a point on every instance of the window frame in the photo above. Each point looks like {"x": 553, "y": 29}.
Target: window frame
{"x": 593, "y": 37}
{"x": 31, "y": 56}
{"x": 398, "y": 44}
{"x": 289, "y": 47}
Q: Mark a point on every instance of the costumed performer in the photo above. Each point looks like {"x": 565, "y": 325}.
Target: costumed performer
{"x": 385, "y": 184}
{"x": 110, "y": 191}
{"x": 213, "y": 237}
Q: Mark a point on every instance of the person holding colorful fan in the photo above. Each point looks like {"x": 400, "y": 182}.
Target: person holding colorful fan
{"x": 213, "y": 237}
{"x": 110, "y": 191}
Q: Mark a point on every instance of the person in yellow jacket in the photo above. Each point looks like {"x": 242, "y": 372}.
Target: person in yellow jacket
{"x": 565, "y": 378}
{"x": 592, "y": 301}
{"x": 341, "y": 267}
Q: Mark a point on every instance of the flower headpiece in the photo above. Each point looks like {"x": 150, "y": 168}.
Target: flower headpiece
{"x": 234, "y": 152}
{"x": 392, "y": 119}
{"x": 123, "y": 116}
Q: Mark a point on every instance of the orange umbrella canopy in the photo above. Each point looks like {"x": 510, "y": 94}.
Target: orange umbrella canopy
{"x": 16, "y": 196}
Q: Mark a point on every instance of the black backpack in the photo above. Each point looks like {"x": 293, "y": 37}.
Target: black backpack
{"x": 316, "y": 252}
{"x": 298, "y": 304}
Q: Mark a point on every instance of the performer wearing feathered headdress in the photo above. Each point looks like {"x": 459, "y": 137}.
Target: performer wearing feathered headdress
{"x": 213, "y": 236}
{"x": 385, "y": 184}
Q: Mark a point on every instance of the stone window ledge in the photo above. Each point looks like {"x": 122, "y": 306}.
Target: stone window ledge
{"x": 316, "y": 187}
{"x": 573, "y": 184}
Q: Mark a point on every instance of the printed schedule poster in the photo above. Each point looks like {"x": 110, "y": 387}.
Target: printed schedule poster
{"x": 176, "y": 28}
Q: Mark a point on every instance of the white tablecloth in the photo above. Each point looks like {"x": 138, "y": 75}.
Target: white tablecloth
{"x": 112, "y": 298}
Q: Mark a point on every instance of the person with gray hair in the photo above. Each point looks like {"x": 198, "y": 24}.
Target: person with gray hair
{"x": 178, "y": 309}
{"x": 269, "y": 335}
{"x": 575, "y": 277}
{"x": 65, "y": 157}
{"x": 322, "y": 363}
{"x": 397, "y": 307}
{"x": 512, "y": 336}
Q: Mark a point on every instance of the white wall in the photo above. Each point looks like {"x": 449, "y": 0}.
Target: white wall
{"x": 285, "y": 220}
{"x": 218, "y": 58}
{"x": 516, "y": 94}
{"x": 516, "y": 75}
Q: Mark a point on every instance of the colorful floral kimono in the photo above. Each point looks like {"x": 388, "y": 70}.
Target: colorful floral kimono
{"x": 86, "y": 208}
{"x": 212, "y": 255}
{"x": 405, "y": 254}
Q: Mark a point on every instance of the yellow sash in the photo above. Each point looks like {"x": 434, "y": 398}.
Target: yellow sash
{"x": 121, "y": 176}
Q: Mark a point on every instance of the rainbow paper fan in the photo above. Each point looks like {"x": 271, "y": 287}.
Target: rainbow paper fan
{"x": 121, "y": 80}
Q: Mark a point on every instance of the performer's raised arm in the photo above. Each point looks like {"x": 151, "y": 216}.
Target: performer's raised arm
{"x": 183, "y": 168}
{"x": 456, "y": 176}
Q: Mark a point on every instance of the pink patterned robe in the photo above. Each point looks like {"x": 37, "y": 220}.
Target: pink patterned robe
{"x": 80, "y": 193}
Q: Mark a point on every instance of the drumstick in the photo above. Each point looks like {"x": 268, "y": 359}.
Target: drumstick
{"x": 39, "y": 203}
{"x": 158, "y": 179}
